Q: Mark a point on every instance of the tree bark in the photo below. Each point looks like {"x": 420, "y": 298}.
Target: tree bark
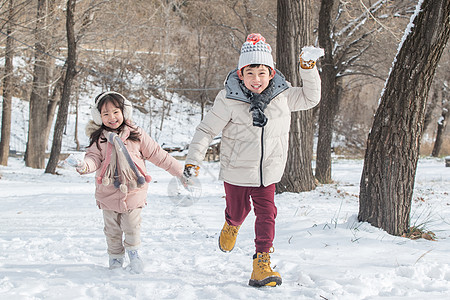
{"x": 53, "y": 103}
{"x": 431, "y": 105}
{"x": 442, "y": 124}
{"x": 36, "y": 144}
{"x": 77, "y": 116}
{"x": 329, "y": 99}
{"x": 7, "y": 89}
{"x": 68, "y": 80}
{"x": 346, "y": 41}
{"x": 387, "y": 180}
{"x": 293, "y": 32}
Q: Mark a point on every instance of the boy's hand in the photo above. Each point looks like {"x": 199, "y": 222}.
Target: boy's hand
{"x": 190, "y": 170}
{"x": 306, "y": 64}
{"x": 309, "y": 56}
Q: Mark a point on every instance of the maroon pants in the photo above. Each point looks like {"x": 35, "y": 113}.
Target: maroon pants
{"x": 238, "y": 207}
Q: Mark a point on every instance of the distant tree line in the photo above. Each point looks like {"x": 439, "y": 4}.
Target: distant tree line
{"x": 160, "y": 47}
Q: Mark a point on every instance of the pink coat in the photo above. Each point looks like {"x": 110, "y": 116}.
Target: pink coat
{"x": 111, "y": 198}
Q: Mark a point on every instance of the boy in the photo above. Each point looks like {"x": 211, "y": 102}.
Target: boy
{"x": 253, "y": 113}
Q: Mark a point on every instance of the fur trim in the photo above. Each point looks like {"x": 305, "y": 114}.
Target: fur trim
{"x": 91, "y": 126}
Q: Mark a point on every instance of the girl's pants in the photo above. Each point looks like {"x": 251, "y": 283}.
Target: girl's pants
{"x": 238, "y": 207}
{"x": 119, "y": 224}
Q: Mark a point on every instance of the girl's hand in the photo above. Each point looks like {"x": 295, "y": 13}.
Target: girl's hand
{"x": 79, "y": 165}
{"x": 82, "y": 168}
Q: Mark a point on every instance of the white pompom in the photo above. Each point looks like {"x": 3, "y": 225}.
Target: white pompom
{"x": 123, "y": 188}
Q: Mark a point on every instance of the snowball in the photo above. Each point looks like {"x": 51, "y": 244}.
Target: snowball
{"x": 312, "y": 53}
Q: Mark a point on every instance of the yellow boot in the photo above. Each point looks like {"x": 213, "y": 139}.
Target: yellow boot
{"x": 262, "y": 274}
{"x": 227, "y": 238}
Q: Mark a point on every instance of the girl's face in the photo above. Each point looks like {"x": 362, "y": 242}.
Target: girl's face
{"x": 112, "y": 116}
{"x": 256, "y": 79}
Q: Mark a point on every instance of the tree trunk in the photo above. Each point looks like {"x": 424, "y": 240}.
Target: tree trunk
{"x": 36, "y": 144}
{"x": 329, "y": 98}
{"x": 68, "y": 80}
{"x": 53, "y": 103}
{"x": 442, "y": 124}
{"x": 77, "y": 116}
{"x": 293, "y": 32}
{"x": 431, "y": 105}
{"x": 7, "y": 89}
{"x": 387, "y": 180}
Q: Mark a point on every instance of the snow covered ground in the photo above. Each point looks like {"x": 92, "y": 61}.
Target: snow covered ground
{"x": 52, "y": 244}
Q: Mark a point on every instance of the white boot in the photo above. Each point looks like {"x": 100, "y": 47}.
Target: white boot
{"x": 136, "y": 264}
{"x": 115, "y": 263}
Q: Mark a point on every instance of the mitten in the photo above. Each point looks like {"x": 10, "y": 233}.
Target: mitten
{"x": 77, "y": 163}
{"x": 82, "y": 168}
{"x": 73, "y": 161}
{"x": 306, "y": 64}
{"x": 190, "y": 170}
{"x": 309, "y": 56}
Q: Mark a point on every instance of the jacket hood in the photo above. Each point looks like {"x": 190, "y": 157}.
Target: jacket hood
{"x": 91, "y": 126}
{"x": 235, "y": 92}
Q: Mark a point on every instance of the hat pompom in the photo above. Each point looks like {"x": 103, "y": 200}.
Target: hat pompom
{"x": 255, "y": 37}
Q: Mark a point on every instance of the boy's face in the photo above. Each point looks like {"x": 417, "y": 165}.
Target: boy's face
{"x": 256, "y": 79}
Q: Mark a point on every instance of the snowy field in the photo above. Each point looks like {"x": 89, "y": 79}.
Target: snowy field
{"x": 52, "y": 244}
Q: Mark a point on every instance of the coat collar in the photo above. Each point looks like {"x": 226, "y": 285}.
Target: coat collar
{"x": 235, "y": 92}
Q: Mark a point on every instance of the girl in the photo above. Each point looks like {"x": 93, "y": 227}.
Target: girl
{"x": 117, "y": 152}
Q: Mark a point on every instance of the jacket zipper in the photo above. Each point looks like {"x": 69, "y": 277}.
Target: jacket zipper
{"x": 262, "y": 156}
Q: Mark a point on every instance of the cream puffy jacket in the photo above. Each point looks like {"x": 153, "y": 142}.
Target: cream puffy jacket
{"x": 250, "y": 155}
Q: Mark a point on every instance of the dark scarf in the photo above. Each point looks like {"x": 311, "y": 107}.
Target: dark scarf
{"x": 258, "y": 103}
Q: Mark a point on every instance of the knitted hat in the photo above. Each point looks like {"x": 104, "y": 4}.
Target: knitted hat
{"x": 255, "y": 50}
{"x": 95, "y": 112}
